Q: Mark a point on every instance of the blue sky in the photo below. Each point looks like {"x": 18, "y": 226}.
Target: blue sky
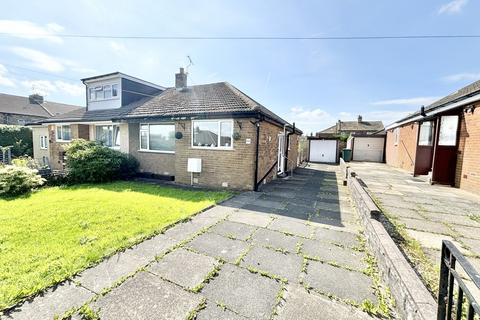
{"x": 313, "y": 83}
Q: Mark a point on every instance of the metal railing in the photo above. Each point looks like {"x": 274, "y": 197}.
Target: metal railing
{"x": 455, "y": 298}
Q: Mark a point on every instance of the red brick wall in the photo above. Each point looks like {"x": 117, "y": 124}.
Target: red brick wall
{"x": 402, "y": 155}
{"x": 468, "y": 161}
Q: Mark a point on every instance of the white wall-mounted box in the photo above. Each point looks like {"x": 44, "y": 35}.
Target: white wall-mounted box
{"x": 194, "y": 165}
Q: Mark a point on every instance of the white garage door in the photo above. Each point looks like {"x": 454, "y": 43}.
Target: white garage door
{"x": 368, "y": 149}
{"x": 323, "y": 151}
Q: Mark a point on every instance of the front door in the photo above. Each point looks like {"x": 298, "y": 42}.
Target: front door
{"x": 445, "y": 155}
{"x": 281, "y": 153}
{"x": 425, "y": 142}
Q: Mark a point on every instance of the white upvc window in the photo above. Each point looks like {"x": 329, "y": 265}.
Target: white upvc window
{"x": 104, "y": 92}
{"x": 64, "y": 133}
{"x": 43, "y": 142}
{"x": 108, "y": 135}
{"x": 212, "y": 134}
{"x": 157, "y": 137}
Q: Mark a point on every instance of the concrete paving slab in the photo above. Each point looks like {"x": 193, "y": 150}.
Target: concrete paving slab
{"x": 212, "y": 311}
{"x": 334, "y": 254}
{"x": 219, "y": 212}
{"x": 470, "y": 232}
{"x": 452, "y": 219}
{"x": 183, "y": 267}
{"x": 283, "y": 265}
{"x": 109, "y": 271}
{"x": 291, "y": 226}
{"x": 402, "y": 212}
{"x": 347, "y": 239}
{"x": 433, "y": 240}
{"x": 187, "y": 229}
{"x": 473, "y": 244}
{"x": 54, "y": 302}
{"x": 300, "y": 304}
{"x": 342, "y": 283}
{"x": 235, "y": 230}
{"x": 276, "y": 240}
{"x": 146, "y": 296}
{"x": 218, "y": 246}
{"x": 268, "y": 204}
{"x": 425, "y": 225}
{"x": 152, "y": 247}
{"x": 246, "y": 293}
{"x": 253, "y": 218}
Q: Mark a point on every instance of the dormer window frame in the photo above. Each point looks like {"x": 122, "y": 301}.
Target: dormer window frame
{"x": 99, "y": 92}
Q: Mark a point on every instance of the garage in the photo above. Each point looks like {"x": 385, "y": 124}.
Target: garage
{"x": 323, "y": 151}
{"x": 368, "y": 148}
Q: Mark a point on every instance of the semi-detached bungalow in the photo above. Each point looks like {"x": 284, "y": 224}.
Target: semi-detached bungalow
{"x": 441, "y": 140}
{"x": 211, "y": 135}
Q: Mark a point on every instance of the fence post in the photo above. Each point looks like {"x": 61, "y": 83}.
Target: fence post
{"x": 443, "y": 285}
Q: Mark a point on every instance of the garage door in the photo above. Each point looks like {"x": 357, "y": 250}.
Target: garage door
{"x": 323, "y": 151}
{"x": 368, "y": 149}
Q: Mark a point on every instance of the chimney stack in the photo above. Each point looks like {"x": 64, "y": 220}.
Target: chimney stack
{"x": 359, "y": 118}
{"x": 181, "y": 79}
{"x": 35, "y": 98}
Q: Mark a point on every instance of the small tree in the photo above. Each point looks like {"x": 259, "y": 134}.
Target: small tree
{"x": 19, "y": 138}
{"x": 88, "y": 161}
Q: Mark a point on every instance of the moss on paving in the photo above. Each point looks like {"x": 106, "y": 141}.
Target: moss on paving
{"x": 52, "y": 234}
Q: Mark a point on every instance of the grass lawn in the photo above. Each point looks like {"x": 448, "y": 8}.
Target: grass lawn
{"x": 56, "y": 232}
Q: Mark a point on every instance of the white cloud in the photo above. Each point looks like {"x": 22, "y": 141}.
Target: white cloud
{"x": 29, "y": 30}
{"x": 117, "y": 47}
{"x": 466, "y": 76}
{"x": 4, "y": 79}
{"x": 45, "y": 87}
{"x": 310, "y": 120}
{"x": 452, "y": 7}
{"x": 39, "y": 59}
{"x": 416, "y": 101}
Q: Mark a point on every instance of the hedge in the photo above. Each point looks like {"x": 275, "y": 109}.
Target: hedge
{"x": 19, "y": 138}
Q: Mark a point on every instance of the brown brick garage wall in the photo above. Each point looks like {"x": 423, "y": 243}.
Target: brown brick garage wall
{"x": 468, "y": 161}
{"x": 267, "y": 149}
{"x": 236, "y": 167}
{"x": 402, "y": 155}
{"x": 151, "y": 162}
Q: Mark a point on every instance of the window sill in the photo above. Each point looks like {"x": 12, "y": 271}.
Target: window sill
{"x": 43, "y": 148}
{"x": 156, "y": 151}
{"x": 214, "y": 148}
{"x": 58, "y": 140}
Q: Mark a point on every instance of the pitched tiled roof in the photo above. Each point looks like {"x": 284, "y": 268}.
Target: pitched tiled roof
{"x": 200, "y": 100}
{"x": 356, "y": 126}
{"x": 81, "y": 115}
{"x": 22, "y": 105}
{"x": 207, "y": 99}
{"x": 463, "y": 93}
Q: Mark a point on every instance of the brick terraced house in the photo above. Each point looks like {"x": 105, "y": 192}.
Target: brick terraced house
{"x": 210, "y": 135}
{"x": 441, "y": 140}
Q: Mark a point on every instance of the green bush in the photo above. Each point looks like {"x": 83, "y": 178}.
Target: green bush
{"x": 19, "y": 138}
{"x": 15, "y": 180}
{"x": 88, "y": 161}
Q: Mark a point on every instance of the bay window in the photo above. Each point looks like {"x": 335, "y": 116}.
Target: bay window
{"x": 108, "y": 135}
{"x": 64, "y": 133}
{"x": 212, "y": 134}
{"x": 157, "y": 137}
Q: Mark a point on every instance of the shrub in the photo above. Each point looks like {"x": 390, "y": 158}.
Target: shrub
{"x": 88, "y": 161}
{"x": 16, "y": 180}
{"x": 19, "y": 138}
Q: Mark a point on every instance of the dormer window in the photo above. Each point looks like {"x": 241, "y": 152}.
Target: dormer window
{"x": 105, "y": 92}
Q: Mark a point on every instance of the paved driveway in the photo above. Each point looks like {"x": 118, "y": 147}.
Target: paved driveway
{"x": 430, "y": 213}
{"x": 253, "y": 257}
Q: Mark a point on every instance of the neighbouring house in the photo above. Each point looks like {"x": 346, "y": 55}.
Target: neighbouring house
{"x": 17, "y": 110}
{"x": 441, "y": 140}
{"x": 210, "y": 135}
{"x": 327, "y": 144}
{"x": 367, "y": 146}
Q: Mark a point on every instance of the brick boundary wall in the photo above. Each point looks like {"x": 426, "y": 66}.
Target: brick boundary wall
{"x": 413, "y": 300}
